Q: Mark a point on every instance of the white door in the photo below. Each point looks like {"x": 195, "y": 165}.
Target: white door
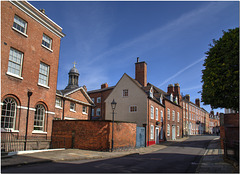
{"x": 173, "y": 133}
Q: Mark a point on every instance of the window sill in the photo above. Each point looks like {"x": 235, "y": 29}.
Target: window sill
{"x": 47, "y": 48}
{"x": 14, "y": 75}
{"x": 8, "y": 130}
{"x": 58, "y": 107}
{"x": 38, "y": 132}
{"x": 72, "y": 111}
{"x": 20, "y": 32}
{"x": 84, "y": 113}
{"x": 39, "y": 84}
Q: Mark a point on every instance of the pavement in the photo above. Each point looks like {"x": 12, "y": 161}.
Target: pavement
{"x": 211, "y": 162}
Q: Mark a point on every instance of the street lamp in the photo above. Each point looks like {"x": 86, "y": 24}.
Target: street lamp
{"x": 113, "y": 104}
{"x": 29, "y": 94}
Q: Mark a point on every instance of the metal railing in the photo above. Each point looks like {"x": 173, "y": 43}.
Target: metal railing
{"x": 11, "y": 142}
{"x": 231, "y": 150}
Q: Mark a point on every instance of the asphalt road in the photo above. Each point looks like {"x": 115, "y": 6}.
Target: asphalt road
{"x": 182, "y": 157}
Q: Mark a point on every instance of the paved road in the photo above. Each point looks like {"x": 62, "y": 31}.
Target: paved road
{"x": 181, "y": 157}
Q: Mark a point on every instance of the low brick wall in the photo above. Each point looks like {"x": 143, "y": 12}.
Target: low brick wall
{"x": 93, "y": 134}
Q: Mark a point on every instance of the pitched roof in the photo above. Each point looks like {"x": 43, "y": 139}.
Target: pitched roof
{"x": 100, "y": 90}
{"x": 65, "y": 92}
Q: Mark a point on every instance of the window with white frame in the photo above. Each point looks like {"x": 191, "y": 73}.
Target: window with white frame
{"x": 168, "y": 114}
{"x": 178, "y": 131}
{"x": 171, "y": 98}
{"x": 125, "y": 93}
{"x": 183, "y": 114}
{"x": 19, "y": 24}
{"x": 133, "y": 109}
{"x": 178, "y": 117}
{"x": 72, "y": 106}
{"x": 15, "y": 62}
{"x": 156, "y": 113}
{"x": 168, "y": 130}
{"x": 98, "y": 112}
{"x": 99, "y": 100}
{"x": 84, "y": 109}
{"x": 47, "y": 41}
{"x": 152, "y": 112}
{"x": 58, "y": 103}
{"x": 43, "y": 74}
{"x": 92, "y": 112}
{"x": 39, "y": 118}
{"x": 9, "y": 109}
{"x": 152, "y": 132}
{"x": 161, "y": 116}
{"x": 173, "y": 115}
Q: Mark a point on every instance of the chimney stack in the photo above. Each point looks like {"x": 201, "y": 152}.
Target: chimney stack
{"x": 170, "y": 89}
{"x": 176, "y": 89}
{"x": 85, "y": 88}
{"x": 104, "y": 85}
{"x": 197, "y": 102}
{"x": 42, "y": 10}
{"x": 141, "y": 72}
{"x": 188, "y": 97}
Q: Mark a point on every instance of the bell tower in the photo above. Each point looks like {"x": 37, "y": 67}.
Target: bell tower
{"x": 73, "y": 78}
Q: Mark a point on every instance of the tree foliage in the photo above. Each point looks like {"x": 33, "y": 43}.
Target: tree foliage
{"x": 221, "y": 74}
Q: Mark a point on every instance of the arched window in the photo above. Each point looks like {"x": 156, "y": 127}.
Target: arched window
{"x": 8, "y": 116}
{"x": 39, "y": 118}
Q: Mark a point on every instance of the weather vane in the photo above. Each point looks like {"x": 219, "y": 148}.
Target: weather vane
{"x": 74, "y": 63}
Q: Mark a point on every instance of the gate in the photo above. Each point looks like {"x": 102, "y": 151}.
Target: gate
{"x": 140, "y": 138}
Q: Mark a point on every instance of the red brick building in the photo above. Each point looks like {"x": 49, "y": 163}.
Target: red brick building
{"x": 98, "y": 97}
{"x": 173, "y": 113}
{"x": 30, "y": 45}
{"x": 73, "y": 103}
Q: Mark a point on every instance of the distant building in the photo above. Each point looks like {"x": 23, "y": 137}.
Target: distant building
{"x": 29, "y": 69}
{"x": 98, "y": 97}
{"x": 214, "y": 123}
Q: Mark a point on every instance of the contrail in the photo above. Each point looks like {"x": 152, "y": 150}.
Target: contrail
{"x": 181, "y": 71}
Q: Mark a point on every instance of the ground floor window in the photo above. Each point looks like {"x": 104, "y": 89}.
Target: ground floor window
{"x": 152, "y": 132}
{"x": 168, "y": 130}
{"x": 177, "y": 130}
{"x": 39, "y": 118}
{"x": 8, "y": 116}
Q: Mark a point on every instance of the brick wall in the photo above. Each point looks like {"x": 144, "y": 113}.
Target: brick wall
{"x": 93, "y": 135}
{"x": 230, "y": 129}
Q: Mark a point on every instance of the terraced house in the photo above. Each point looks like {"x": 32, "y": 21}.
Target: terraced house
{"x": 30, "y": 45}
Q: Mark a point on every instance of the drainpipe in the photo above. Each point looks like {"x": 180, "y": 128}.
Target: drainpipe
{"x": 63, "y": 109}
{"x": 29, "y": 93}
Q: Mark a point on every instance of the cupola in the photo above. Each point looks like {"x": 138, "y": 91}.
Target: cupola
{"x": 73, "y": 78}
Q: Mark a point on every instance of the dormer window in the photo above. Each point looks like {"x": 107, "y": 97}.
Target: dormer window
{"x": 171, "y": 98}
{"x": 151, "y": 92}
{"x": 176, "y": 100}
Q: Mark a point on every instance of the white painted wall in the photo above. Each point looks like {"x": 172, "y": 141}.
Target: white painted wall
{"x": 136, "y": 96}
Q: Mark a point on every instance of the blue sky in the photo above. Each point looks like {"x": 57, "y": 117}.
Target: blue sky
{"x": 105, "y": 39}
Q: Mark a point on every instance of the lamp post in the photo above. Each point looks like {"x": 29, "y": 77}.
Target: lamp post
{"x": 29, "y": 94}
{"x": 113, "y": 104}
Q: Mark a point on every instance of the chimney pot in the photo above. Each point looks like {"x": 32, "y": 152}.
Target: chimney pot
{"x": 104, "y": 85}
{"x": 137, "y": 59}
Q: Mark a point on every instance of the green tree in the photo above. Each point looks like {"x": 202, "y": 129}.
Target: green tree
{"x": 221, "y": 74}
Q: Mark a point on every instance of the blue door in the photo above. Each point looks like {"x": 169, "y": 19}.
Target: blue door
{"x": 140, "y": 137}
